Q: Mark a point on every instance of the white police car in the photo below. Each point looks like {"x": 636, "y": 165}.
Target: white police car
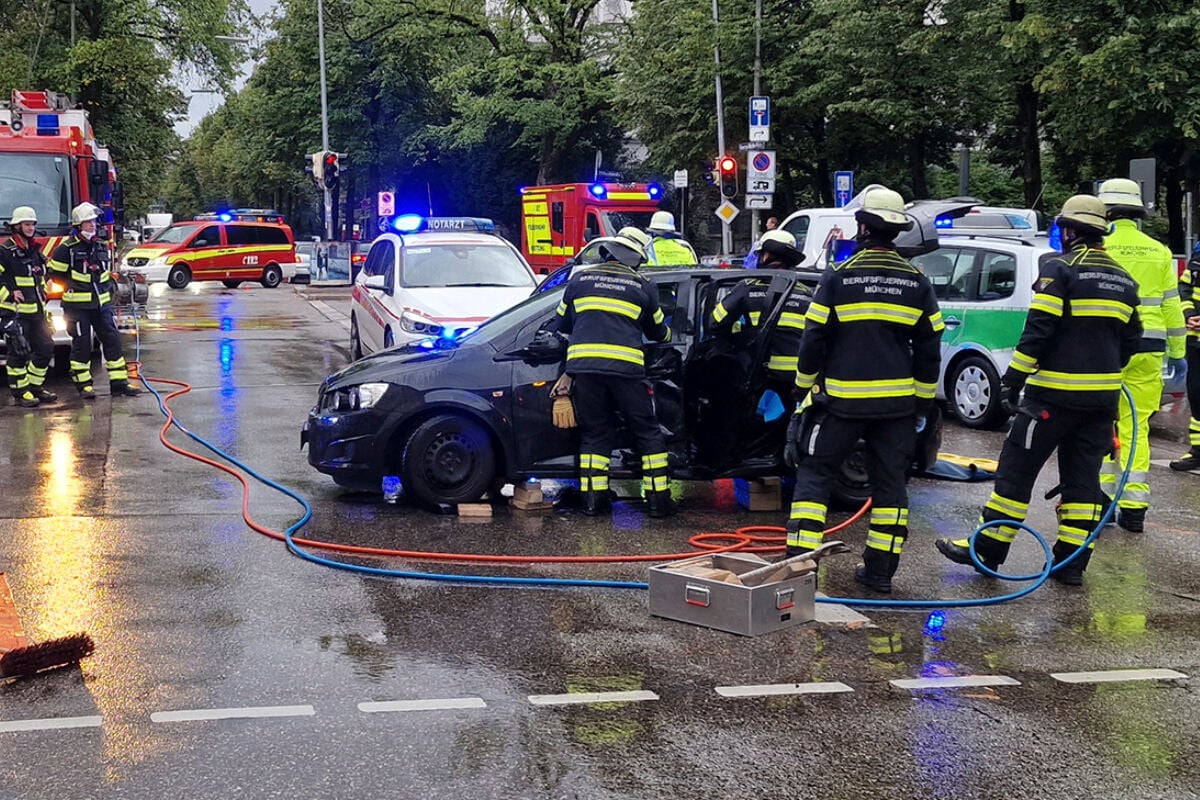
{"x": 434, "y": 277}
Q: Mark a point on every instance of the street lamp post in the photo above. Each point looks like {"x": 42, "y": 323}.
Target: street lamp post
{"x": 726, "y": 233}
{"x": 325, "y": 116}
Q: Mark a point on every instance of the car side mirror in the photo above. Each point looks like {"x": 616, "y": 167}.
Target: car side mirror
{"x": 589, "y": 234}
{"x": 375, "y": 282}
{"x": 200, "y": 243}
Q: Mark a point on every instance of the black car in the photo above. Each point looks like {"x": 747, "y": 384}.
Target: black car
{"x": 455, "y": 419}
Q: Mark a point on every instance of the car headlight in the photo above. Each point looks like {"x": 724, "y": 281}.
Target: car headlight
{"x": 414, "y": 323}
{"x": 355, "y": 398}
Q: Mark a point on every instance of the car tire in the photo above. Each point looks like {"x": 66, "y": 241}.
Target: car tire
{"x": 179, "y": 276}
{"x": 448, "y": 460}
{"x": 973, "y": 391}
{"x": 356, "y": 351}
{"x": 851, "y": 484}
{"x": 389, "y": 339}
{"x": 272, "y": 276}
{"x": 231, "y": 284}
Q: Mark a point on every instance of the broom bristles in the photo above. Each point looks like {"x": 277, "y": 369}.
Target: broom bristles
{"x": 46, "y": 655}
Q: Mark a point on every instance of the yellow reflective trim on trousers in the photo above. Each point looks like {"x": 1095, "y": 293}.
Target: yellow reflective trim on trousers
{"x": 1076, "y": 381}
{"x": 807, "y": 540}
{"x": 1022, "y": 362}
{"x": 886, "y": 387}
{"x": 610, "y": 305}
{"x": 1079, "y": 511}
{"x": 878, "y": 312}
{"x": 1003, "y": 505}
{"x": 805, "y": 380}
{"x": 790, "y": 319}
{"x": 1048, "y": 303}
{"x": 655, "y": 461}
{"x": 1003, "y": 533}
{"x": 885, "y": 542}
{"x": 616, "y": 352}
{"x": 925, "y": 391}
{"x": 817, "y": 313}
{"x": 593, "y": 461}
{"x": 783, "y": 363}
{"x": 655, "y": 483}
{"x": 889, "y": 516}
{"x": 1074, "y": 536}
{"x": 1107, "y": 309}
{"x": 804, "y": 509}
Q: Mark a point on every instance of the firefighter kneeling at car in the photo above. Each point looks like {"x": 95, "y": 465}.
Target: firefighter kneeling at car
{"x": 869, "y": 358}
{"x": 23, "y": 303}
{"x": 605, "y": 310}
{"x": 1081, "y": 331}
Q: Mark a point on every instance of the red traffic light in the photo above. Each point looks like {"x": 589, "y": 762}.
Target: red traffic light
{"x": 727, "y": 164}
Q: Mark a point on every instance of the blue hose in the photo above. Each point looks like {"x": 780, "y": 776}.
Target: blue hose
{"x": 1037, "y": 578}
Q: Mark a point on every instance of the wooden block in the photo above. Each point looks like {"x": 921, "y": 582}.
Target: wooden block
{"x": 474, "y": 509}
{"x": 765, "y": 485}
{"x": 523, "y": 505}
{"x": 528, "y": 493}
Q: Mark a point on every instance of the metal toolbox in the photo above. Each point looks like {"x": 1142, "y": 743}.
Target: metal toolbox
{"x": 745, "y": 610}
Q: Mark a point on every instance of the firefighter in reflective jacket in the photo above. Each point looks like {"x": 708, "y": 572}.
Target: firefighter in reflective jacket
{"x": 745, "y": 304}
{"x": 605, "y": 310}
{"x": 666, "y": 245}
{"x": 1081, "y": 331}
{"x": 23, "y": 295}
{"x": 1151, "y": 265}
{"x": 1188, "y": 282}
{"x": 82, "y": 263}
{"x": 870, "y": 356}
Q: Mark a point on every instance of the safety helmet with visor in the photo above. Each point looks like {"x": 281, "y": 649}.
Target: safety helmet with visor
{"x": 883, "y": 210}
{"x": 1122, "y": 197}
{"x": 662, "y": 222}
{"x": 84, "y": 212}
{"x": 634, "y": 234}
{"x": 781, "y": 246}
{"x": 623, "y": 250}
{"x": 22, "y": 214}
{"x": 1084, "y": 213}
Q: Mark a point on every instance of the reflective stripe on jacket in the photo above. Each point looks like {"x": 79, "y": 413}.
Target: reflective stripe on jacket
{"x": 1152, "y": 266}
{"x": 22, "y": 269}
{"x": 84, "y": 268}
{"x": 605, "y": 310}
{"x": 748, "y": 301}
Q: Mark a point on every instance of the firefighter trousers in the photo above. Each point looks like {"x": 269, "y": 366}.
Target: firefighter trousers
{"x": 598, "y": 398}
{"x": 825, "y": 441}
{"x": 1193, "y": 392}
{"x": 29, "y": 372}
{"x": 1142, "y": 376}
{"x": 81, "y": 322}
{"x": 1082, "y": 438}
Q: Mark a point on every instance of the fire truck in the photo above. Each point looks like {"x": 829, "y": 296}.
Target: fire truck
{"x": 50, "y": 160}
{"x": 558, "y": 220}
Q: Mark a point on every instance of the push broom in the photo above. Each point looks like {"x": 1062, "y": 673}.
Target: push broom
{"x": 22, "y": 662}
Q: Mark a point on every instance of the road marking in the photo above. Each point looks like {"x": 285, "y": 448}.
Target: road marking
{"x": 49, "y": 724}
{"x": 772, "y": 689}
{"x": 583, "y": 698}
{"x": 422, "y": 705}
{"x": 955, "y": 682}
{"x": 1115, "y": 675}
{"x": 251, "y": 712}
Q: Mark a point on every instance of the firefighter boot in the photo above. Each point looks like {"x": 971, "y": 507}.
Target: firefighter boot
{"x": 991, "y": 552}
{"x": 1188, "y": 462}
{"x": 42, "y": 395}
{"x": 877, "y": 570}
{"x": 123, "y": 389}
{"x": 25, "y": 398}
{"x": 87, "y": 392}
{"x": 1071, "y": 574}
{"x": 596, "y": 504}
{"x": 1132, "y": 519}
{"x": 660, "y": 504}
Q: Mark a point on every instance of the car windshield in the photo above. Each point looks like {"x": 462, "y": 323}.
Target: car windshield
{"x": 449, "y": 265}
{"x": 615, "y": 220}
{"x": 40, "y": 181}
{"x": 175, "y": 234}
{"x": 304, "y": 248}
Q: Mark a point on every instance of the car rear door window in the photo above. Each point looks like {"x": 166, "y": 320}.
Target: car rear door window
{"x": 241, "y": 234}
{"x": 997, "y": 276}
{"x": 798, "y": 227}
{"x": 274, "y": 236}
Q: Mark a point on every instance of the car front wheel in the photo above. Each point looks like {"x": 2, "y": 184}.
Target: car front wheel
{"x": 448, "y": 460}
{"x": 356, "y": 351}
{"x": 974, "y": 391}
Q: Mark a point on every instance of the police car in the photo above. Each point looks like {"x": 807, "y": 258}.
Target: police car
{"x": 433, "y": 277}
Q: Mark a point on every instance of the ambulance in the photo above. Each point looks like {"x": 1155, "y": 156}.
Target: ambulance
{"x": 558, "y": 220}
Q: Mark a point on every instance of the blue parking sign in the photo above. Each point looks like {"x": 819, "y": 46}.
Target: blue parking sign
{"x": 843, "y": 188}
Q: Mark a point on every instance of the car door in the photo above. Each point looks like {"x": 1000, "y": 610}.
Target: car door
{"x": 241, "y": 256}
{"x": 371, "y": 320}
{"x": 204, "y": 252}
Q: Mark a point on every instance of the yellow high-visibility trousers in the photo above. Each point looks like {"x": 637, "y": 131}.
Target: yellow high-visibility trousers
{"x": 1142, "y": 376}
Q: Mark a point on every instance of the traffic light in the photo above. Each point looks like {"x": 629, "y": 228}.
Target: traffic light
{"x": 332, "y": 167}
{"x": 729, "y": 176}
{"x": 314, "y": 164}
{"x": 710, "y": 172}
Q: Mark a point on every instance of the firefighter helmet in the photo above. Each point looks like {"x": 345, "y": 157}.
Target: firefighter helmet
{"x": 663, "y": 222}
{"x": 22, "y": 214}
{"x": 1123, "y": 197}
{"x": 84, "y": 212}
{"x": 1085, "y": 213}
{"x": 781, "y": 246}
{"x": 883, "y": 209}
{"x": 623, "y": 250}
{"x": 636, "y": 234}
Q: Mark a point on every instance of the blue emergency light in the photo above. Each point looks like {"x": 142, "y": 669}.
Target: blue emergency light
{"x": 415, "y": 223}
{"x": 654, "y": 190}
{"x": 1055, "y": 236}
{"x": 408, "y": 223}
{"x": 598, "y": 191}
{"x": 47, "y": 124}
{"x": 944, "y": 222}
{"x": 225, "y": 217}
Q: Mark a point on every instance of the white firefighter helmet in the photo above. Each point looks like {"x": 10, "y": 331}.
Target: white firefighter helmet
{"x": 662, "y": 221}
{"x": 1122, "y": 194}
{"x": 84, "y": 212}
{"x": 883, "y": 208}
{"x": 22, "y": 214}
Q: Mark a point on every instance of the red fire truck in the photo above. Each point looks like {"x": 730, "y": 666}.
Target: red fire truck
{"x": 558, "y": 220}
{"x": 50, "y": 160}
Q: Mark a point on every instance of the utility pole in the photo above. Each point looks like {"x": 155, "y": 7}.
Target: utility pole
{"x": 754, "y": 230}
{"x": 72, "y": 23}
{"x": 726, "y": 233}
{"x": 325, "y": 117}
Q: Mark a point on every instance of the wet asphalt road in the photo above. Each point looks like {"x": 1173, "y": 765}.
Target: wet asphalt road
{"x": 104, "y": 530}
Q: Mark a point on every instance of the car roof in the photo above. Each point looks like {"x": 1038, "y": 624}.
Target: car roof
{"x": 441, "y": 237}
{"x": 951, "y": 238}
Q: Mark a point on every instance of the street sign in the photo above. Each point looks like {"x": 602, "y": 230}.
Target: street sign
{"x": 1142, "y": 171}
{"x": 726, "y": 211}
{"x": 760, "y": 172}
{"x": 744, "y": 147}
{"x": 681, "y": 178}
{"x": 754, "y": 201}
{"x": 843, "y": 188}
{"x": 386, "y": 204}
{"x": 760, "y": 119}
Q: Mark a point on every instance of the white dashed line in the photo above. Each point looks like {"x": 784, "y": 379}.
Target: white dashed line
{"x": 49, "y": 724}
{"x": 201, "y": 714}
{"x": 955, "y": 682}
{"x": 1115, "y": 675}
{"x": 422, "y": 705}
{"x": 774, "y": 689}
{"x": 583, "y": 698}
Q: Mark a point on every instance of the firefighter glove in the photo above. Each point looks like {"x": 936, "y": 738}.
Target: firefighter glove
{"x": 791, "y": 448}
{"x": 563, "y": 412}
{"x": 1179, "y": 368}
{"x": 14, "y": 336}
{"x": 1010, "y": 397}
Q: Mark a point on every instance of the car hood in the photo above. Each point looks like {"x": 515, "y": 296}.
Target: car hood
{"x": 390, "y": 366}
{"x": 463, "y": 303}
{"x": 149, "y": 250}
